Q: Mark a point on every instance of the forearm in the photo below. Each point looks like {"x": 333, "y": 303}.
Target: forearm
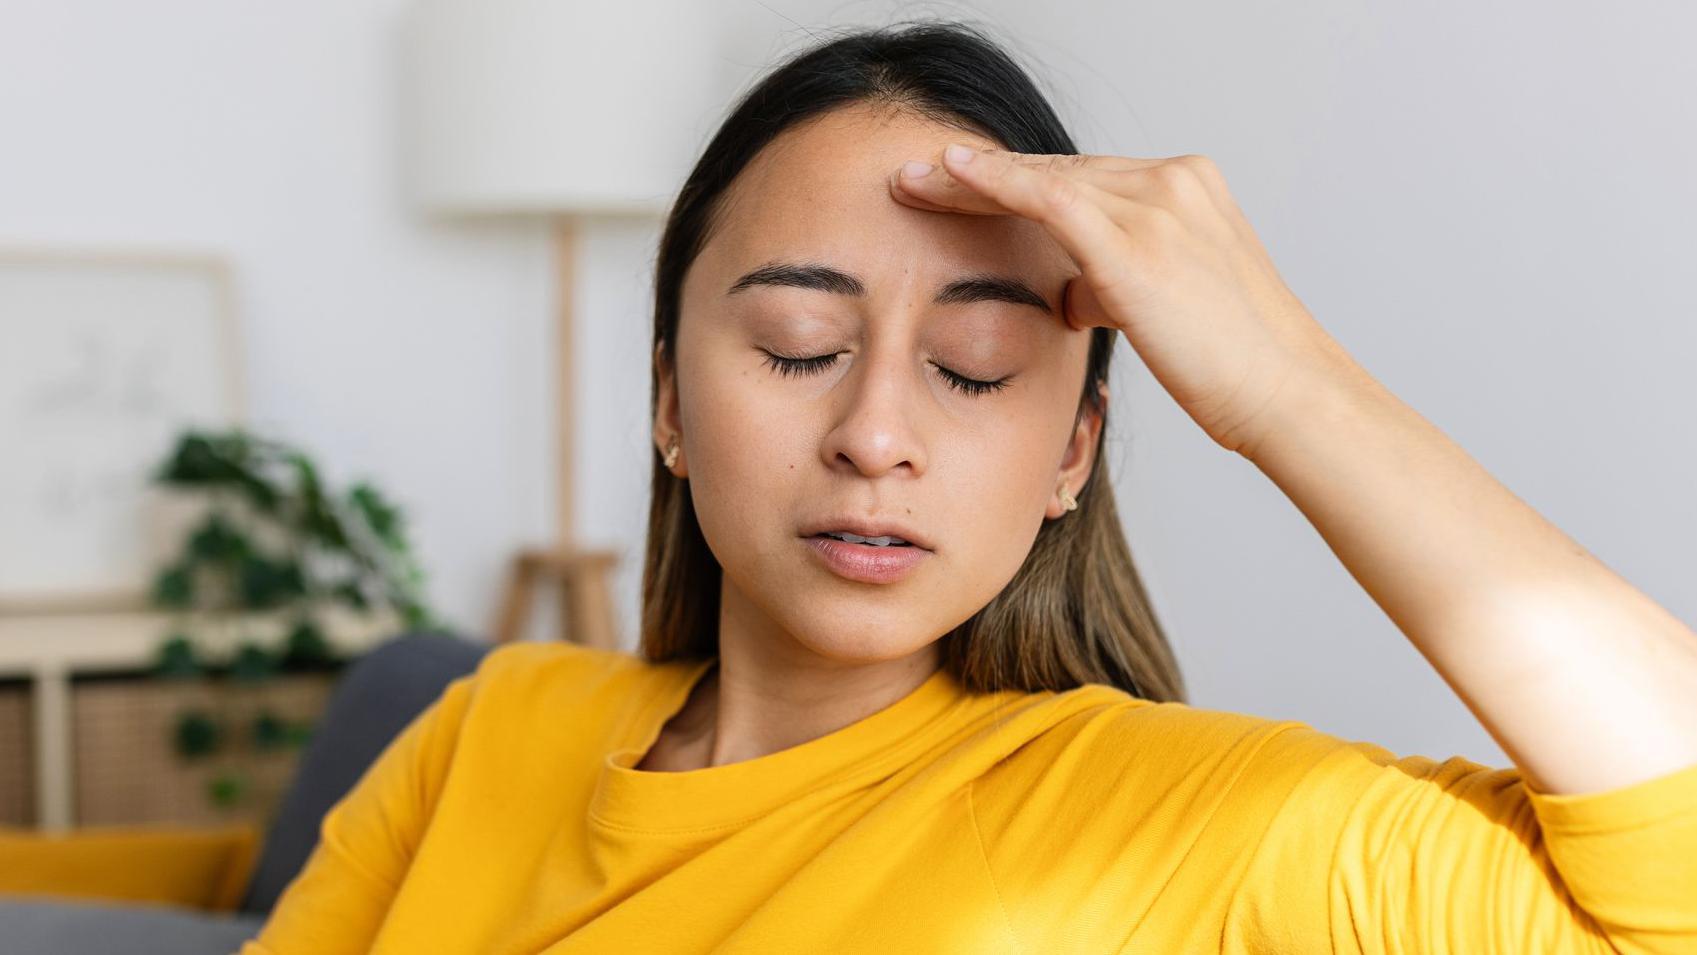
{"x": 1585, "y": 682}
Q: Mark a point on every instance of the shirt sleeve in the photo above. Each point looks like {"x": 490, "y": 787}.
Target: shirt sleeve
{"x": 1372, "y": 853}
{"x": 366, "y": 841}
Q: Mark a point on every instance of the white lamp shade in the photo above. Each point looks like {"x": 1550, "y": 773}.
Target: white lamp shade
{"x": 556, "y": 106}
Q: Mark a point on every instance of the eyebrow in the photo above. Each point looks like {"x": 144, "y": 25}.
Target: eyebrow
{"x": 977, "y": 287}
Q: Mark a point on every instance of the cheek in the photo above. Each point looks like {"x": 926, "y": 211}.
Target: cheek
{"x": 998, "y": 491}
{"x": 746, "y": 449}
{"x": 1017, "y": 451}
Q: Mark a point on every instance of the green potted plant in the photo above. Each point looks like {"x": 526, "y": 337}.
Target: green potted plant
{"x": 273, "y": 542}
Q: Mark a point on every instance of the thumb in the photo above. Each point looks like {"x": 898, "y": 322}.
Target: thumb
{"x": 1081, "y": 308}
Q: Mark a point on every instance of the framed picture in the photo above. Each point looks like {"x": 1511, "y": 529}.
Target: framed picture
{"x": 105, "y": 356}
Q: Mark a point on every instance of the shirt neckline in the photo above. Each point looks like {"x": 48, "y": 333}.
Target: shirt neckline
{"x": 730, "y": 795}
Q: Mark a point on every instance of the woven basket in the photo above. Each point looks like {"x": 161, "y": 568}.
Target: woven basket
{"x": 17, "y": 749}
{"x": 126, "y": 766}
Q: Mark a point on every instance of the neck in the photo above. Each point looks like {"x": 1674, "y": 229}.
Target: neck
{"x": 768, "y": 692}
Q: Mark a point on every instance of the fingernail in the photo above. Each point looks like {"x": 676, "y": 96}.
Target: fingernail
{"x": 914, "y": 169}
{"x": 960, "y": 154}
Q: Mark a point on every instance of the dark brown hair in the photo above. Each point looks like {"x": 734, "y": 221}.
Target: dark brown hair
{"x": 1076, "y": 611}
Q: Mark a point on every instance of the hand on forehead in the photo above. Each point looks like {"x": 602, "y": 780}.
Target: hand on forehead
{"x": 821, "y": 193}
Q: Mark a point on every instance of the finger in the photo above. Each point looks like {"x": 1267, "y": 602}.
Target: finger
{"x": 935, "y": 189}
{"x": 1083, "y": 162}
{"x": 1072, "y": 210}
{"x": 929, "y": 185}
{"x": 1081, "y": 308}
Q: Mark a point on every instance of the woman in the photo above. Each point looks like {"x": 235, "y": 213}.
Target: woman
{"x": 901, "y": 689}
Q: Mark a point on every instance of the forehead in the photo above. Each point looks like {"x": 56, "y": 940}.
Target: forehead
{"x": 820, "y": 191}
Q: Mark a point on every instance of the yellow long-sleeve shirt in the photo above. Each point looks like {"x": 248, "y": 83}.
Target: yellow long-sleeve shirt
{"x": 506, "y": 818}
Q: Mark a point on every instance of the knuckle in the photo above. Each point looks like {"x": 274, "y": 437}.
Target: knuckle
{"x": 1057, "y": 193}
{"x": 1181, "y": 184}
{"x": 1205, "y": 170}
{"x": 1195, "y": 162}
{"x": 1177, "y": 178}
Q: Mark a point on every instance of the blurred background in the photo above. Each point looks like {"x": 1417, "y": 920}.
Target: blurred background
{"x": 326, "y": 322}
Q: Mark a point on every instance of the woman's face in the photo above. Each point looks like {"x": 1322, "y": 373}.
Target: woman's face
{"x": 875, "y": 431}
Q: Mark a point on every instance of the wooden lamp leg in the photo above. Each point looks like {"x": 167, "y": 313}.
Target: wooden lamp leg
{"x": 583, "y": 577}
{"x": 515, "y": 603}
{"x": 589, "y": 600}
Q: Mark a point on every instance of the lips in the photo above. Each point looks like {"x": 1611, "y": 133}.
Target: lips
{"x": 866, "y": 563}
{"x": 868, "y": 533}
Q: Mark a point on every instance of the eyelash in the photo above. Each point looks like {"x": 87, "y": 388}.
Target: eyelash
{"x": 787, "y": 366}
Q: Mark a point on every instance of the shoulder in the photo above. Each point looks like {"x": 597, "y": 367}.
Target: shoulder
{"x": 1246, "y": 751}
{"x": 528, "y": 678}
{"x": 1246, "y": 762}
{"x": 1109, "y": 721}
{"x": 551, "y": 665}
{"x": 1136, "y": 791}
{"x": 1155, "y": 760}
{"x": 529, "y": 659}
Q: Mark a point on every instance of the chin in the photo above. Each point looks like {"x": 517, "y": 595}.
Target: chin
{"x": 861, "y": 642}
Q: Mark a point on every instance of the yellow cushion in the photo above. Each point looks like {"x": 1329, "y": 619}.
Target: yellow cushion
{"x": 202, "y": 867}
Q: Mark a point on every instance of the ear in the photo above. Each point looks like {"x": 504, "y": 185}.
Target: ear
{"x": 667, "y": 420}
{"x": 1080, "y": 456}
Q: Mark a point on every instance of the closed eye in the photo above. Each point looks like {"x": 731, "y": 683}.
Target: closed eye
{"x": 786, "y": 366}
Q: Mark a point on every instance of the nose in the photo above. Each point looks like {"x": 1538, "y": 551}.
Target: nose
{"x": 875, "y": 431}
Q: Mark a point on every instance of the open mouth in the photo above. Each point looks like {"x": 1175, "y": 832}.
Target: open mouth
{"x": 885, "y": 541}
{"x": 885, "y": 559}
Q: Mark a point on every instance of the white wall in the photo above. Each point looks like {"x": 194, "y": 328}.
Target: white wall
{"x": 414, "y": 355}
{"x": 1486, "y": 204}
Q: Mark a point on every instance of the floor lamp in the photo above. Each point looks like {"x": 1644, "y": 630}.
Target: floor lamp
{"x": 568, "y": 112}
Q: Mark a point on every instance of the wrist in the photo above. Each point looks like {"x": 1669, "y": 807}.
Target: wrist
{"x": 1313, "y": 400}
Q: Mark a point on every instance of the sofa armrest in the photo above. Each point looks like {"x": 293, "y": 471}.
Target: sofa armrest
{"x": 204, "y": 868}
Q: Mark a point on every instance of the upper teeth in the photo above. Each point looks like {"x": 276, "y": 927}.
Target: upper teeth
{"x": 884, "y": 541}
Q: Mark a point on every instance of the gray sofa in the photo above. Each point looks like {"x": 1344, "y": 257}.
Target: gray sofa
{"x": 374, "y": 700}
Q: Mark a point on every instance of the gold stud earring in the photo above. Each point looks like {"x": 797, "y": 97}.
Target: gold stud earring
{"x": 672, "y": 453}
{"x": 1068, "y": 501}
